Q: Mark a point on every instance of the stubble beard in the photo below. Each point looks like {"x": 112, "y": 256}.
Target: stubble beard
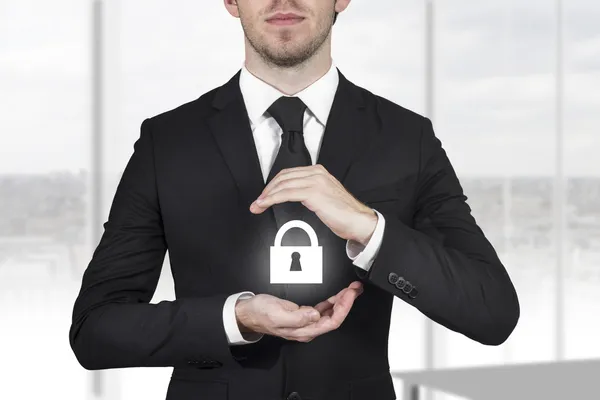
{"x": 284, "y": 51}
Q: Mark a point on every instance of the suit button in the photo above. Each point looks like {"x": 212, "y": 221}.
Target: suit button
{"x": 393, "y": 278}
{"x": 192, "y": 362}
{"x": 407, "y": 288}
{"x": 413, "y": 293}
{"x": 401, "y": 282}
{"x": 294, "y": 396}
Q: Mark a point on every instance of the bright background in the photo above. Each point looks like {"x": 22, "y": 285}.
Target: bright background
{"x": 516, "y": 108}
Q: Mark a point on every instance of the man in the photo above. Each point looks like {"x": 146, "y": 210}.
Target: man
{"x": 287, "y": 137}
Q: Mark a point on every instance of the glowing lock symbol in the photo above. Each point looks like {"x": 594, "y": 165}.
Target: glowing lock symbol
{"x": 296, "y": 264}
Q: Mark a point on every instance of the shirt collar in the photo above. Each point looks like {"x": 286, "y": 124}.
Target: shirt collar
{"x": 259, "y": 95}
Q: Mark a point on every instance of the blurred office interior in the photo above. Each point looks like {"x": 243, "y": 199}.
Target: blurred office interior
{"x": 512, "y": 88}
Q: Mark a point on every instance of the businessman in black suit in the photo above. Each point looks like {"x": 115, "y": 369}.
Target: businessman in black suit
{"x": 369, "y": 176}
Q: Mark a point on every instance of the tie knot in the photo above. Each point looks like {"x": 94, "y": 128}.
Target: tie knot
{"x": 289, "y": 113}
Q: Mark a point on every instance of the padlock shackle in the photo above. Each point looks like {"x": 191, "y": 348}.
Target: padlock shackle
{"x": 296, "y": 223}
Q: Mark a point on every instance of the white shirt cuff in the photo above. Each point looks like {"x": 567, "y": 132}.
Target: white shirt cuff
{"x": 363, "y": 256}
{"x": 232, "y": 331}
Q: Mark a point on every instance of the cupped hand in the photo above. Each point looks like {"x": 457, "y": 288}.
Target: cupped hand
{"x": 333, "y": 312}
{"x": 271, "y": 315}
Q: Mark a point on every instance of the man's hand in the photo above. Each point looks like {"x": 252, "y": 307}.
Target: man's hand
{"x": 270, "y": 315}
{"x": 322, "y": 193}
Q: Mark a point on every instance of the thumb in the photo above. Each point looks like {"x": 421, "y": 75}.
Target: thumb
{"x": 299, "y": 318}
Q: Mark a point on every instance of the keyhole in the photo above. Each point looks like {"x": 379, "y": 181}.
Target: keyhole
{"x": 295, "y": 262}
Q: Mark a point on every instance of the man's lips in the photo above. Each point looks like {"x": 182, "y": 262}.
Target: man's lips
{"x": 284, "y": 16}
{"x": 285, "y": 19}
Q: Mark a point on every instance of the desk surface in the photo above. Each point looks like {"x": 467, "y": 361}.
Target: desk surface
{"x": 575, "y": 380}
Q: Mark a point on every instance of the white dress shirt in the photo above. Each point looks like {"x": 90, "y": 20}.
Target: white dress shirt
{"x": 318, "y": 98}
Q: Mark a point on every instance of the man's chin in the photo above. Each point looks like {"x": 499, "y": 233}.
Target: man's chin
{"x": 285, "y": 59}
{"x": 287, "y": 62}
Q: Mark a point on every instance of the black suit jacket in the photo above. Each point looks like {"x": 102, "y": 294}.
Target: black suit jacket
{"x": 187, "y": 188}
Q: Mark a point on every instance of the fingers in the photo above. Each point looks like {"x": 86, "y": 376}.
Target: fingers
{"x": 296, "y": 194}
{"x": 291, "y": 173}
{"x": 288, "y": 305}
{"x": 291, "y": 184}
{"x": 342, "y": 307}
{"x": 332, "y": 318}
{"x": 293, "y": 322}
{"x": 326, "y": 304}
{"x": 295, "y": 319}
{"x": 356, "y": 285}
{"x": 288, "y": 183}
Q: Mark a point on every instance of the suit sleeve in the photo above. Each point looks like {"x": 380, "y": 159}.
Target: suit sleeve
{"x": 445, "y": 266}
{"x": 113, "y": 323}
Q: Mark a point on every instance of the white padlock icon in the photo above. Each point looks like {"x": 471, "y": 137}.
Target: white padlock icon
{"x": 296, "y": 264}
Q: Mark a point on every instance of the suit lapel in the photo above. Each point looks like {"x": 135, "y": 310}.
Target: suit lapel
{"x": 345, "y": 135}
{"x": 346, "y": 131}
{"x": 231, "y": 130}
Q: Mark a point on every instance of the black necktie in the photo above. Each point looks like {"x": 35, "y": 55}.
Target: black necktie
{"x": 289, "y": 114}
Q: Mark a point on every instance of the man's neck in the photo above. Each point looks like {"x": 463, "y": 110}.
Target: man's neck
{"x": 290, "y": 80}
